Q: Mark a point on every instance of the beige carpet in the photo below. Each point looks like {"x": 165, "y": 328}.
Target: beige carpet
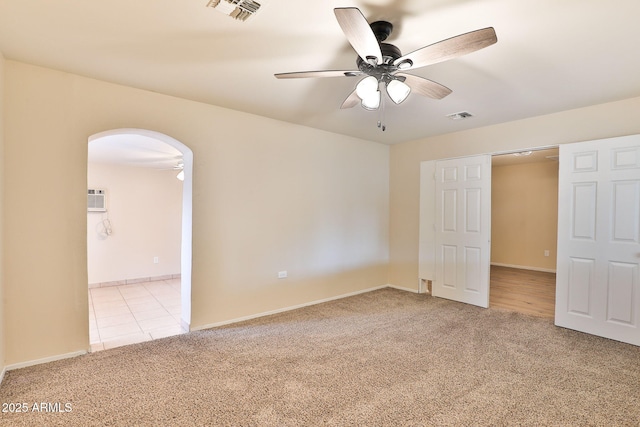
{"x": 385, "y": 358}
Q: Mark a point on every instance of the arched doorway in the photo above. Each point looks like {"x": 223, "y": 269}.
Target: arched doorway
{"x": 131, "y": 148}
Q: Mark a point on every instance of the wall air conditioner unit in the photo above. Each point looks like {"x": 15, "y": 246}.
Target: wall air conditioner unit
{"x": 96, "y": 200}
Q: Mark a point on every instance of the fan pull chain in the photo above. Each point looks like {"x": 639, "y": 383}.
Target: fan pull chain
{"x": 381, "y": 124}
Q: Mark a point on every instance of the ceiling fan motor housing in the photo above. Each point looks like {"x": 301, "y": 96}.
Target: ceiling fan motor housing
{"x": 389, "y": 54}
{"x": 382, "y": 30}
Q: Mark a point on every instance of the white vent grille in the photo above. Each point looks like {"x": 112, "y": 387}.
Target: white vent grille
{"x": 96, "y": 200}
{"x": 238, "y": 9}
{"x": 460, "y": 116}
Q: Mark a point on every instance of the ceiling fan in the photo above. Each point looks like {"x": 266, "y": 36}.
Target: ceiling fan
{"x": 383, "y": 63}
{"x": 177, "y": 166}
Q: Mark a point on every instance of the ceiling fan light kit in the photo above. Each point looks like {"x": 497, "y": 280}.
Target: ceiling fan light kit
{"x": 398, "y": 91}
{"x": 368, "y": 92}
{"x": 383, "y": 63}
{"x": 372, "y": 102}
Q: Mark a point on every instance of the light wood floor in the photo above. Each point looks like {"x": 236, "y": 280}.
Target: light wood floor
{"x": 524, "y": 291}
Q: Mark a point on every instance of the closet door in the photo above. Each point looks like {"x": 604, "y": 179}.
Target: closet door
{"x": 597, "y": 284}
{"x": 463, "y": 229}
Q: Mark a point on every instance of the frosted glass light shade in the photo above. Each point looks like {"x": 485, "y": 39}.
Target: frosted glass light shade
{"x": 367, "y": 91}
{"x": 398, "y": 91}
{"x": 372, "y": 101}
{"x": 367, "y": 87}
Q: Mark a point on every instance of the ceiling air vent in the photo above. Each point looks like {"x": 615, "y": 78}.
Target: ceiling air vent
{"x": 238, "y": 9}
{"x": 460, "y": 116}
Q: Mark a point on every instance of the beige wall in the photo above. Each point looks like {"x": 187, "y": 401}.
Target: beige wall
{"x": 524, "y": 215}
{"x": 267, "y": 196}
{"x": 144, "y": 209}
{"x": 595, "y": 122}
{"x": 2, "y": 273}
{"x": 338, "y": 213}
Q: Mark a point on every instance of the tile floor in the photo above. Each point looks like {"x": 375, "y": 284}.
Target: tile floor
{"x": 128, "y": 314}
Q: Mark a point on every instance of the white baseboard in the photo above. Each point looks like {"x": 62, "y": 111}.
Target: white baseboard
{"x": 44, "y": 360}
{"x": 524, "y": 267}
{"x": 4, "y": 371}
{"x": 134, "y": 281}
{"x": 285, "y": 309}
{"x": 415, "y": 291}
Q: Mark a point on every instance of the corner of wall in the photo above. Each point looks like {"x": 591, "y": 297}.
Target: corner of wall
{"x": 2, "y": 345}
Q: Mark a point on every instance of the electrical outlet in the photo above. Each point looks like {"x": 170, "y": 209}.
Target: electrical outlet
{"x": 282, "y": 274}
{"x": 156, "y": 260}
{"x": 546, "y": 252}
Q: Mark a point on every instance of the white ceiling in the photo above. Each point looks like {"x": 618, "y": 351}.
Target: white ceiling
{"x": 551, "y": 56}
{"x": 134, "y": 150}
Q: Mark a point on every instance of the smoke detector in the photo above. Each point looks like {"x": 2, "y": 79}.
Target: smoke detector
{"x": 237, "y": 9}
{"x": 460, "y": 116}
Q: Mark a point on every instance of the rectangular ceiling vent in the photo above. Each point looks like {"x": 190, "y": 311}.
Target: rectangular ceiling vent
{"x": 460, "y": 116}
{"x": 238, "y": 9}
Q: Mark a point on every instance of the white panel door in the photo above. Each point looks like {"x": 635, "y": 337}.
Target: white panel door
{"x": 597, "y": 282}
{"x": 463, "y": 229}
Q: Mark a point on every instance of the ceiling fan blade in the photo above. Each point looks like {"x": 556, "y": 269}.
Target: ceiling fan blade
{"x": 326, "y": 73}
{"x": 425, "y": 87}
{"x": 448, "y": 49}
{"x": 351, "y": 101}
{"x": 359, "y": 33}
